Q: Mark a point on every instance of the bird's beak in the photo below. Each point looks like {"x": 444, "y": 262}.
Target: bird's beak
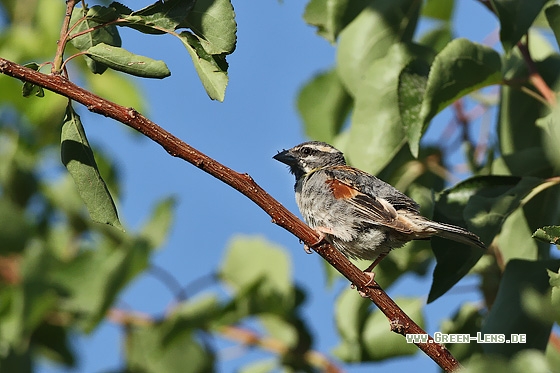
{"x": 285, "y": 157}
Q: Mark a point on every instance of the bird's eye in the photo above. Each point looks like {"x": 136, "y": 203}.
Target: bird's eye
{"x": 307, "y": 151}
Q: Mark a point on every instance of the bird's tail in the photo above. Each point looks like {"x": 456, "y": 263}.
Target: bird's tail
{"x": 458, "y": 234}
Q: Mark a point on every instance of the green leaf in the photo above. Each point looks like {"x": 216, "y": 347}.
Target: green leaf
{"x": 102, "y": 14}
{"x": 30, "y": 88}
{"x": 376, "y": 134}
{"x": 198, "y": 313}
{"x": 467, "y": 320}
{"x": 482, "y": 204}
{"x": 460, "y": 68}
{"x": 412, "y": 85}
{"x": 553, "y": 17}
{"x": 157, "y": 228}
{"x": 106, "y": 34}
{"x": 524, "y": 162}
{"x": 118, "y": 88}
{"x": 15, "y": 229}
{"x": 518, "y": 276}
{"x": 525, "y": 361}
{"x": 260, "y": 274}
{"x": 332, "y": 16}
{"x": 280, "y": 329}
{"x": 489, "y": 195}
{"x": 550, "y": 234}
{"x": 496, "y": 198}
{"x": 211, "y": 69}
{"x": 93, "y": 280}
{"x": 147, "y": 352}
{"x": 516, "y": 16}
{"x": 213, "y": 22}
{"x": 438, "y": 9}
{"x": 250, "y": 260}
{"x": 551, "y": 135}
{"x": 122, "y": 60}
{"x": 380, "y": 342}
{"x": 437, "y": 38}
{"x": 370, "y": 35}
{"x": 554, "y": 281}
{"x": 159, "y": 17}
{"x": 324, "y": 104}
{"x": 351, "y": 313}
{"x": 78, "y": 158}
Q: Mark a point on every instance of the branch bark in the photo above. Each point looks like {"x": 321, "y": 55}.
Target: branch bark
{"x": 399, "y": 321}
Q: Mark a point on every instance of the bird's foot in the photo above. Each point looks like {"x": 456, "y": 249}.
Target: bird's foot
{"x": 371, "y": 281}
{"x": 321, "y": 231}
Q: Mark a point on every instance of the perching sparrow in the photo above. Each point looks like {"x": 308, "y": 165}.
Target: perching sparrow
{"x": 359, "y": 214}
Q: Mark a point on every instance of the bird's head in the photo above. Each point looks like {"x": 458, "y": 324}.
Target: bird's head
{"x": 309, "y": 156}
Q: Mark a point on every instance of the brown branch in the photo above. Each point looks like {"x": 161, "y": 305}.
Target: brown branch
{"x": 399, "y": 321}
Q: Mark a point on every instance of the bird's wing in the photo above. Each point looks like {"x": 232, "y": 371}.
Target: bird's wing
{"x": 372, "y": 209}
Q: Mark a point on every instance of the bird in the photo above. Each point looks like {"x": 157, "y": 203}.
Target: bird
{"x": 359, "y": 214}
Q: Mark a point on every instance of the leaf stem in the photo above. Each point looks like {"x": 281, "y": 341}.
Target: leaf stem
{"x": 550, "y": 182}
{"x": 535, "y": 77}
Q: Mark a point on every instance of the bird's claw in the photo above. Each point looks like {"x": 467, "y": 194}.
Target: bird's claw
{"x": 321, "y": 231}
{"x": 371, "y": 281}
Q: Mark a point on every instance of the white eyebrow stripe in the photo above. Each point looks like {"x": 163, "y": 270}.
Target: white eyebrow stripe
{"x": 322, "y": 148}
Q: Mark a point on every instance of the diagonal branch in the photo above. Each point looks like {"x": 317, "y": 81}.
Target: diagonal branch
{"x": 400, "y": 322}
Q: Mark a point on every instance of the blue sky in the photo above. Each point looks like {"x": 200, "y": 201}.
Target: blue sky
{"x": 276, "y": 53}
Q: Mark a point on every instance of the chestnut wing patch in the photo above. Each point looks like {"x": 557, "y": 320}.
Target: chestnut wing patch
{"x": 372, "y": 210}
{"x": 341, "y": 190}
{"x": 367, "y": 207}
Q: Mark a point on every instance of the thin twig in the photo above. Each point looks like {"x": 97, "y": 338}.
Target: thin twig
{"x": 535, "y": 77}
{"x": 400, "y": 322}
{"x": 234, "y": 333}
{"x": 59, "y": 56}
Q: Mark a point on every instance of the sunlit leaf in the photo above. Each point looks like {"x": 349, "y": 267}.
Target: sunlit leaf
{"x": 324, "y": 104}
{"x": 331, "y": 17}
{"x": 460, "y": 68}
{"x": 157, "y": 228}
{"x": 213, "y": 22}
{"x": 438, "y": 9}
{"x": 377, "y": 131}
{"x": 550, "y": 234}
{"x": 159, "y": 17}
{"x": 518, "y": 276}
{"x": 78, "y": 158}
{"x": 92, "y": 34}
{"x": 351, "y": 313}
{"x": 411, "y": 87}
{"x": 211, "y": 69}
{"x": 93, "y": 280}
{"x": 122, "y": 60}
{"x": 370, "y": 36}
{"x": 102, "y": 14}
{"x": 380, "y": 342}
{"x": 146, "y": 351}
